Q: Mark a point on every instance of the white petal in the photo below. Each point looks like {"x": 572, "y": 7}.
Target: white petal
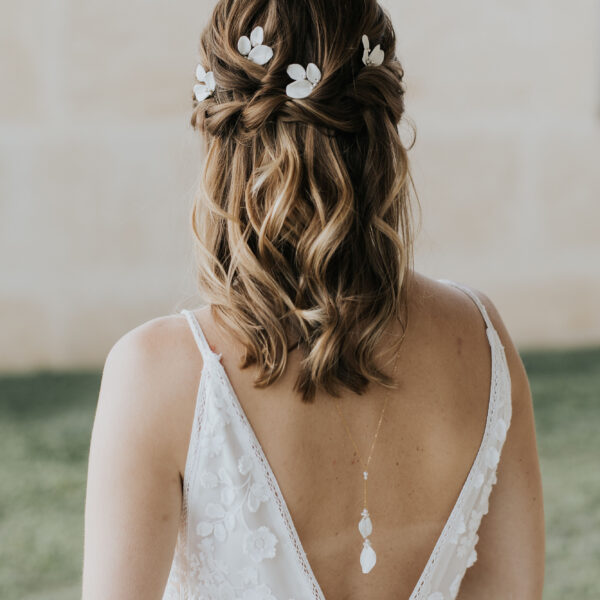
{"x": 220, "y": 532}
{"x": 377, "y": 56}
{"x": 204, "y": 528}
{"x": 261, "y": 54}
{"x": 224, "y": 476}
{"x": 201, "y": 92}
{"x": 230, "y": 521}
{"x": 296, "y": 72}
{"x": 365, "y": 57}
{"x": 365, "y": 41}
{"x": 244, "y": 45}
{"x": 367, "y": 558}
{"x": 313, "y": 73}
{"x": 299, "y": 89}
{"x": 200, "y": 73}
{"x": 365, "y": 527}
{"x": 211, "y": 84}
{"x": 493, "y": 457}
{"x": 257, "y": 36}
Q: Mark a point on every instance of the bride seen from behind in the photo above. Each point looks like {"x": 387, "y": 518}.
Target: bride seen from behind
{"x": 331, "y": 424}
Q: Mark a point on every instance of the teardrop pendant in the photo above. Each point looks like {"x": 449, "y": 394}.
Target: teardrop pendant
{"x": 365, "y": 526}
{"x": 368, "y": 558}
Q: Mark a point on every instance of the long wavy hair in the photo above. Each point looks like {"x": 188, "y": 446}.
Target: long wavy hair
{"x": 303, "y": 220}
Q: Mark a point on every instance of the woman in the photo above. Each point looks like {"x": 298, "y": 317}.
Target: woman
{"x": 332, "y": 424}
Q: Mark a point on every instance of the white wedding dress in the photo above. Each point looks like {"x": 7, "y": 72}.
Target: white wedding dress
{"x": 237, "y": 540}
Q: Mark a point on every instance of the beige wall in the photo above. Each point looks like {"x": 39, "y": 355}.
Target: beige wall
{"x": 98, "y": 164}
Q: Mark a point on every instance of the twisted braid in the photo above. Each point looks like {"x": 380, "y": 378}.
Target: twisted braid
{"x": 303, "y": 221}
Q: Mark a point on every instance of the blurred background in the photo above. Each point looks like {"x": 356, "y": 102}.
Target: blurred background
{"x": 98, "y": 166}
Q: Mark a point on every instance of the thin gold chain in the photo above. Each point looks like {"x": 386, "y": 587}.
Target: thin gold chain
{"x": 366, "y": 465}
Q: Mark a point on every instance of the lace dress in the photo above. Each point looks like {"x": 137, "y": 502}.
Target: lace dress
{"x": 237, "y": 540}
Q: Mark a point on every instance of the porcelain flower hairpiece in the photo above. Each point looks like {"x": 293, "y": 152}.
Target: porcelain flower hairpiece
{"x": 304, "y": 80}
{"x": 254, "y": 48}
{"x": 372, "y": 57}
{"x": 207, "y": 84}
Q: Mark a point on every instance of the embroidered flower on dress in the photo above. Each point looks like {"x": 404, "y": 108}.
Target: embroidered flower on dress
{"x": 258, "y": 493}
{"x": 458, "y": 530}
{"x": 260, "y": 592}
{"x": 221, "y": 522}
{"x": 474, "y": 520}
{"x": 208, "y": 480}
{"x": 478, "y": 479}
{"x": 472, "y": 558}
{"x": 492, "y": 456}
{"x": 260, "y": 544}
{"x": 500, "y": 430}
{"x": 465, "y": 544}
{"x": 245, "y": 464}
{"x": 248, "y": 575}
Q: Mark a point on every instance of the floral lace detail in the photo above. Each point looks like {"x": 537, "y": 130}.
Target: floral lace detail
{"x": 237, "y": 539}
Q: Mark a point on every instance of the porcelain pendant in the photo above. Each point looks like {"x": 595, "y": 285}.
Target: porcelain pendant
{"x": 368, "y": 558}
{"x": 365, "y": 526}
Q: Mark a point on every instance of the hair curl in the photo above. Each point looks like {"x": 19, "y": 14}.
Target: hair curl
{"x": 303, "y": 220}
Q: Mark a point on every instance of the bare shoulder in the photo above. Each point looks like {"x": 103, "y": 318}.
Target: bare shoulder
{"x": 452, "y": 306}
{"x": 150, "y": 380}
{"x": 511, "y": 537}
{"x": 137, "y": 458}
{"x": 521, "y": 393}
{"x": 450, "y": 310}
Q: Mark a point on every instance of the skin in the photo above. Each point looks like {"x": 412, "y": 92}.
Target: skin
{"x": 430, "y": 434}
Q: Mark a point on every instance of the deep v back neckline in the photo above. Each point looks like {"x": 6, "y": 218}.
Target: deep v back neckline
{"x": 280, "y": 499}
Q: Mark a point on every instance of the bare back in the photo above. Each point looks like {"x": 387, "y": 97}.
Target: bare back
{"x": 430, "y": 435}
{"x": 431, "y": 432}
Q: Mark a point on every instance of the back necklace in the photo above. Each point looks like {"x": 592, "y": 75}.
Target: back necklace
{"x": 368, "y": 557}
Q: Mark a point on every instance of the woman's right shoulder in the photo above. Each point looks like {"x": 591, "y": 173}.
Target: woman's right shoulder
{"x": 452, "y": 307}
{"x": 512, "y": 540}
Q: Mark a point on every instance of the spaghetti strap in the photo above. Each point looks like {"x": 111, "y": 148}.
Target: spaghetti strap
{"x": 475, "y": 299}
{"x": 199, "y": 336}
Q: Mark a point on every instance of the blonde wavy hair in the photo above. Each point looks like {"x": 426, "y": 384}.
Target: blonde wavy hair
{"x": 303, "y": 221}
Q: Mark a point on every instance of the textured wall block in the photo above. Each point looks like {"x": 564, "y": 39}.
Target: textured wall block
{"x": 22, "y": 61}
{"x": 132, "y": 60}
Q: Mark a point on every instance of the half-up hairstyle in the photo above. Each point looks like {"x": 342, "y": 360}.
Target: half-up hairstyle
{"x": 303, "y": 220}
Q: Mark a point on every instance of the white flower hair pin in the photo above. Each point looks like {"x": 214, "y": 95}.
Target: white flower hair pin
{"x": 372, "y": 57}
{"x": 304, "y": 80}
{"x": 254, "y": 48}
{"x": 206, "y": 85}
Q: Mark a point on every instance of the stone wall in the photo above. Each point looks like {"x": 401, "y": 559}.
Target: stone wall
{"x": 98, "y": 165}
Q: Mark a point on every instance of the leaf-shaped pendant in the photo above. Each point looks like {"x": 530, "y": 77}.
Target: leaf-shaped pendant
{"x": 365, "y": 526}
{"x": 368, "y": 558}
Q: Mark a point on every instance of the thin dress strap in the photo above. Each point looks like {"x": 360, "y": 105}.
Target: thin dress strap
{"x": 475, "y": 299}
{"x": 201, "y": 341}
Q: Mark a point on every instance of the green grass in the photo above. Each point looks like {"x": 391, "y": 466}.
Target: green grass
{"x": 45, "y": 426}
{"x": 566, "y": 392}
